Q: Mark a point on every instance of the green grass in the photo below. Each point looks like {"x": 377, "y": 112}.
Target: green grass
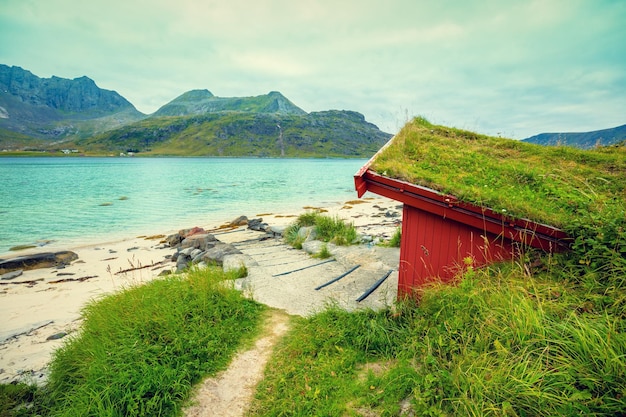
{"x": 552, "y": 185}
{"x": 501, "y": 343}
{"x": 326, "y": 228}
{"x": 140, "y": 351}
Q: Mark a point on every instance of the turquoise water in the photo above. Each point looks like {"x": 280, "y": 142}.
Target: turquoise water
{"x": 69, "y": 200}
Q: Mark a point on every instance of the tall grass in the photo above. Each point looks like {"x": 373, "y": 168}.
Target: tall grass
{"x": 502, "y": 343}
{"x": 139, "y": 352}
{"x": 326, "y": 228}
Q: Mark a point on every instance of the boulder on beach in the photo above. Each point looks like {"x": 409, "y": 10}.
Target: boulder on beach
{"x": 37, "y": 260}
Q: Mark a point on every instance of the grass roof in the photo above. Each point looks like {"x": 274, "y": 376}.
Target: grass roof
{"x": 550, "y": 185}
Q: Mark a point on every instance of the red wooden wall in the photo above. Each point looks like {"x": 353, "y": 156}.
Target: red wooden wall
{"x": 434, "y": 248}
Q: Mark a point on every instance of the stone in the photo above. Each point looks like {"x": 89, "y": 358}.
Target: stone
{"x": 174, "y": 240}
{"x": 195, "y": 231}
{"x": 277, "y": 230}
{"x": 186, "y": 252}
{"x": 312, "y": 247}
{"x": 201, "y": 241}
{"x": 217, "y": 253}
{"x": 258, "y": 225}
{"x": 307, "y": 233}
{"x": 57, "y": 336}
{"x": 239, "y": 221}
{"x": 236, "y": 261}
{"x": 38, "y": 260}
{"x": 197, "y": 256}
{"x": 11, "y": 275}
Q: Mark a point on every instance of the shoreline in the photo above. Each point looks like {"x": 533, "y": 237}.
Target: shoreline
{"x": 42, "y": 307}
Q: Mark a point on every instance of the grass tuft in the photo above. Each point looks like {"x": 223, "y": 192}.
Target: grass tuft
{"x": 327, "y": 229}
{"x": 140, "y": 351}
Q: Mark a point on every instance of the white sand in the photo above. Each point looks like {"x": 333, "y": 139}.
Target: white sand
{"x": 32, "y": 313}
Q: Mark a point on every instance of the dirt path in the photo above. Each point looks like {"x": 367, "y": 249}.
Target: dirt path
{"x": 229, "y": 394}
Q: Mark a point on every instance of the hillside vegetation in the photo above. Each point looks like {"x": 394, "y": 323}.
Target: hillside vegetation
{"x": 325, "y": 134}
{"x": 559, "y": 186}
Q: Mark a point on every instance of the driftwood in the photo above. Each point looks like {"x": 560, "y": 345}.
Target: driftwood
{"x": 135, "y": 268}
{"x": 31, "y": 282}
{"x": 25, "y": 331}
{"x": 81, "y": 279}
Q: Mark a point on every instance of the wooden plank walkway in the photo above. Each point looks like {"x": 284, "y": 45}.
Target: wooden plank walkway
{"x": 286, "y": 278}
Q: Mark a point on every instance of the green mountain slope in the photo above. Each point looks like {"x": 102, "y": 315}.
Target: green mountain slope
{"x": 583, "y": 140}
{"x": 318, "y": 134}
{"x": 203, "y": 101}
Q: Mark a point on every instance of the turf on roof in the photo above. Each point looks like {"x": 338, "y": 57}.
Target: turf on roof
{"x": 550, "y": 185}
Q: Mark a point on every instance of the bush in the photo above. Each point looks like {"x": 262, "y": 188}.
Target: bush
{"x": 140, "y": 351}
{"x": 327, "y": 229}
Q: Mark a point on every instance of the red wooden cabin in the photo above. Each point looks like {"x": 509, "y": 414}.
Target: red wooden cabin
{"x": 441, "y": 235}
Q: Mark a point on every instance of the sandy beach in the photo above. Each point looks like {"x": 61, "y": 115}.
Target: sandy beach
{"x": 42, "y": 307}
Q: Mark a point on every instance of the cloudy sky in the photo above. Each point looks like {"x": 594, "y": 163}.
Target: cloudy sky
{"x": 508, "y": 67}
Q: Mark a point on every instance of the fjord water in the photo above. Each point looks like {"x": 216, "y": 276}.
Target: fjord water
{"x": 79, "y": 199}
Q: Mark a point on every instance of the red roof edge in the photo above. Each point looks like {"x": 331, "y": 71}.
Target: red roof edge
{"x": 544, "y": 237}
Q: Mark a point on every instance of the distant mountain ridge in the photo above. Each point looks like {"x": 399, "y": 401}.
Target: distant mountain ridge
{"x": 203, "y": 101}
{"x": 583, "y": 140}
{"x": 56, "y": 113}
{"x": 331, "y": 133}
{"x": 56, "y": 108}
{"x": 80, "y": 95}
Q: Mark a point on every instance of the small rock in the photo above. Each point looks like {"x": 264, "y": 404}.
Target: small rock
{"x": 38, "y": 260}
{"x": 277, "y": 230}
{"x": 240, "y": 221}
{"x": 202, "y": 241}
{"x": 174, "y": 240}
{"x": 307, "y": 233}
{"x": 257, "y": 225}
{"x": 57, "y": 336}
{"x": 186, "y": 251}
{"x": 217, "y": 253}
{"x": 11, "y": 275}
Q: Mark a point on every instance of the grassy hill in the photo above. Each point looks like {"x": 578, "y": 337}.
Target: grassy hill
{"x": 203, "y": 101}
{"x": 318, "y": 134}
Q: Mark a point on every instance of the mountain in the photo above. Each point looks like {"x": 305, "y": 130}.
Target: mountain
{"x": 203, "y": 101}
{"x": 54, "y": 113}
{"x": 57, "y": 108}
{"x": 583, "y": 140}
{"x": 332, "y": 133}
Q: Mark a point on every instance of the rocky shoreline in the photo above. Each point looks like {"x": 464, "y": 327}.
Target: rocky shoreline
{"x": 41, "y": 306}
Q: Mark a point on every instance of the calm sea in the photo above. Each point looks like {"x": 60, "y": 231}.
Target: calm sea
{"x": 78, "y": 200}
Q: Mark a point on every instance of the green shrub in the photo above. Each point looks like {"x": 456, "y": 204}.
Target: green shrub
{"x": 500, "y": 343}
{"x": 327, "y": 229}
{"x": 19, "y": 400}
{"x": 324, "y": 253}
{"x": 140, "y": 351}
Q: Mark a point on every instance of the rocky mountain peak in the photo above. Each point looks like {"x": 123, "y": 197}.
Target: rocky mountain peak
{"x": 77, "y": 95}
